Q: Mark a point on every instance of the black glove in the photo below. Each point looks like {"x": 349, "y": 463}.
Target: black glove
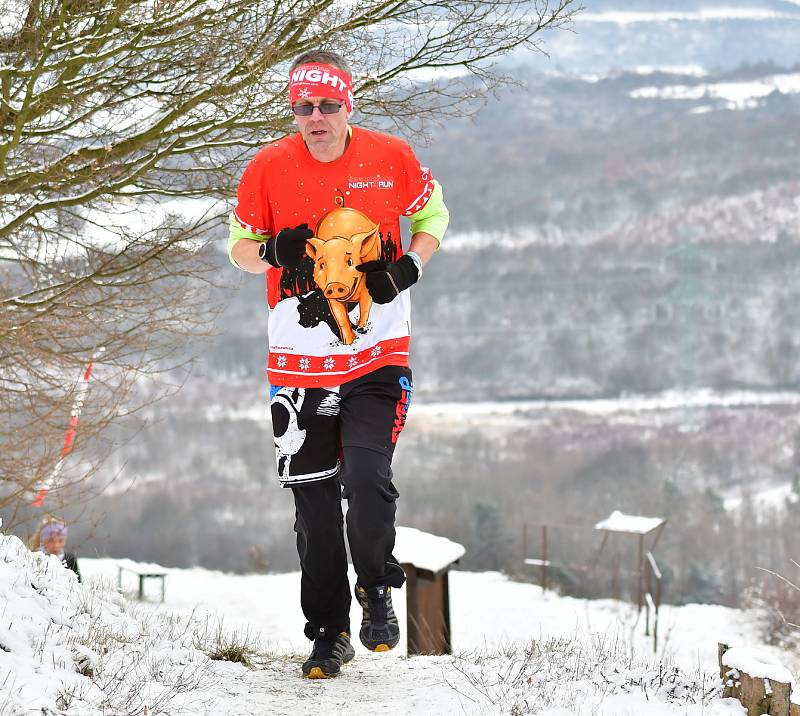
{"x": 287, "y": 248}
{"x": 386, "y": 280}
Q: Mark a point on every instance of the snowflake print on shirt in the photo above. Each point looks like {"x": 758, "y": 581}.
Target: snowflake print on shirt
{"x": 328, "y": 363}
{"x": 359, "y": 198}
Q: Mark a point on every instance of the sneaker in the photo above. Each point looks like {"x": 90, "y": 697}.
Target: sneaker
{"x": 328, "y": 654}
{"x": 379, "y": 628}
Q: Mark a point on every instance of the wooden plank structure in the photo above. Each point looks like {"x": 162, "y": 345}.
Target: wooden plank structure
{"x": 426, "y": 560}
{"x": 428, "y": 610}
{"x": 143, "y": 571}
{"x": 768, "y": 690}
{"x": 647, "y": 573}
{"x": 641, "y": 527}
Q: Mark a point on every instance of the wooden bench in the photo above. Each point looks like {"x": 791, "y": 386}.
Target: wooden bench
{"x": 142, "y": 570}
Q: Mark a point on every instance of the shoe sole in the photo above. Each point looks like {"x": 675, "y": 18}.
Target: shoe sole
{"x": 380, "y": 646}
{"x": 317, "y": 673}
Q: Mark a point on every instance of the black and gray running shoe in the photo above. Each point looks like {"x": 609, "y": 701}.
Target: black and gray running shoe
{"x": 379, "y": 628}
{"x": 328, "y": 654}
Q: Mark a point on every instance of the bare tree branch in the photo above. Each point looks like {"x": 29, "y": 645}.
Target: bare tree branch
{"x": 124, "y": 125}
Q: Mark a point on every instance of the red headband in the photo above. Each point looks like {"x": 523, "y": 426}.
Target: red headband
{"x": 318, "y": 80}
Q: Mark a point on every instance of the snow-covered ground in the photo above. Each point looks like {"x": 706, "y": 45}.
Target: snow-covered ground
{"x": 488, "y": 611}
{"x": 762, "y": 497}
{"x": 735, "y": 95}
{"x": 466, "y": 411}
{"x": 74, "y": 649}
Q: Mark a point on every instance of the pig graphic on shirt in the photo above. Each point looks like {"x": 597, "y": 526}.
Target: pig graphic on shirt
{"x": 343, "y": 239}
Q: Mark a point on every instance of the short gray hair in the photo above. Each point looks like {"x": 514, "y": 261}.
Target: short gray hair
{"x": 325, "y": 57}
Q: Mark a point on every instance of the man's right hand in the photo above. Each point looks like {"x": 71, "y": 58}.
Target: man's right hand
{"x": 288, "y": 247}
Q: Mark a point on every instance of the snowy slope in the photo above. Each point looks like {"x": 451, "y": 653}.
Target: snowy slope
{"x": 75, "y": 649}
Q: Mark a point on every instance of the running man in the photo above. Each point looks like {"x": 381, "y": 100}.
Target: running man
{"x": 319, "y": 212}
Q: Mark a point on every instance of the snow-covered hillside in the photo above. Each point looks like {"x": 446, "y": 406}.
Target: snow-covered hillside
{"x": 83, "y": 650}
{"x": 610, "y": 34}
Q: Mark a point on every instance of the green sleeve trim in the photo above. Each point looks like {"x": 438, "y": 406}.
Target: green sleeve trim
{"x": 432, "y": 218}
{"x": 236, "y": 232}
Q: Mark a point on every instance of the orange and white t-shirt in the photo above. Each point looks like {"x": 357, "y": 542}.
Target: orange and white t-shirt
{"x": 324, "y": 329}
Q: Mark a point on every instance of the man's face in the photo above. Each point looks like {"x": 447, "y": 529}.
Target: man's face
{"x": 323, "y": 133}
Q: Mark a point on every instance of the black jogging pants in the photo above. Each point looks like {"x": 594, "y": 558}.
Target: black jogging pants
{"x": 372, "y": 411}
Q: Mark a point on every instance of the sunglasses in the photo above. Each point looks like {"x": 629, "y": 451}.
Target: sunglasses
{"x": 306, "y": 110}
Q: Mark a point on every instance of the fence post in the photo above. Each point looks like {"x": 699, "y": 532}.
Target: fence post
{"x": 758, "y": 695}
{"x": 524, "y": 541}
{"x": 544, "y": 558}
{"x": 641, "y": 572}
{"x": 658, "y": 609}
{"x": 648, "y": 598}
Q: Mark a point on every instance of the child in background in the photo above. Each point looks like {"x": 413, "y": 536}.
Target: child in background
{"x": 51, "y": 538}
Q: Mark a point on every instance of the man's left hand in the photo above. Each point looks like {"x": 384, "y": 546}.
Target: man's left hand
{"x": 385, "y": 280}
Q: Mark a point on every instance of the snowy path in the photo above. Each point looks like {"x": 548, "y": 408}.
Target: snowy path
{"x": 488, "y": 611}
{"x": 390, "y": 685}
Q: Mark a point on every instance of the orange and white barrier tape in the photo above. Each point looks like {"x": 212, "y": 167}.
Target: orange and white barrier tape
{"x": 69, "y": 438}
